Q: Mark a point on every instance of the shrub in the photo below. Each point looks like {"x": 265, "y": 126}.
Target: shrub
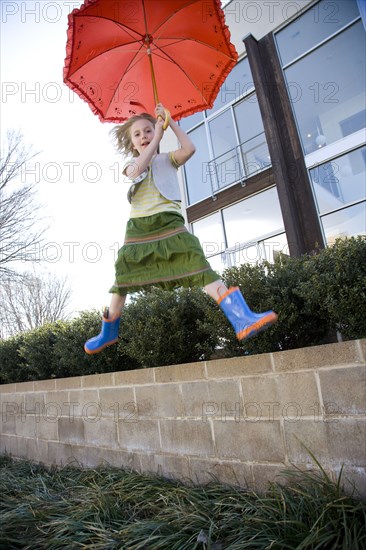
{"x": 71, "y": 357}
{"x": 312, "y": 294}
{"x": 167, "y": 328}
{"x": 11, "y": 364}
{"x": 338, "y": 286}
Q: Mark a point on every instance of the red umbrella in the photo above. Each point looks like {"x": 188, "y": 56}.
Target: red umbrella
{"x": 121, "y": 53}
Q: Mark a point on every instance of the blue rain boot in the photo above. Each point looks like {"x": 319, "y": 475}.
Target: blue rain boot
{"x": 245, "y": 322}
{"x": 108, "y": 336}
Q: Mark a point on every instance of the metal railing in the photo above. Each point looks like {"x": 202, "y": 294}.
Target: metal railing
{"x": 239, "y": 164}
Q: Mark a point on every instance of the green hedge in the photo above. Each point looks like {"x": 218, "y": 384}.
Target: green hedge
{"x": 314, "y": 296}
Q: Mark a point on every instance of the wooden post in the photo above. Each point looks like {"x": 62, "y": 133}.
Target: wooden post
{"x": 302, "y": 225}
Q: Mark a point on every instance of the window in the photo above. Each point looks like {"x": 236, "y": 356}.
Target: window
{"x": 327, "y": 89}
{"x": 254, "y": 218}
{"x": 345, "y": 223}
{"x": 247, "y": 232}
{"x": 230, "y": 142}
{"x": 318, "y": 23}
{"x": 254, "y": 150}
{"x": 239, "y": 82}
{"x": 323, "y": 55}
{"x": 340, "y": 191}
{"x": 196, "y": 170}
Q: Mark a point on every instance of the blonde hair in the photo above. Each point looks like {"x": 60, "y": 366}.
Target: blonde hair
{"x": 122, "y": 134}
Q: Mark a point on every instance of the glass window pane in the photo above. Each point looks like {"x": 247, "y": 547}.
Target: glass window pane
{"x": 274, "y": 246}
{"x": 345, "y": 223}
{"x": 327, "y": 89}
{"x": 196, "y": 169}
{"x": 251, "y": 254}
{"x": 225, "y": 168}
{"x": 341, "y": 181}
{"x": 315, "y": 25}
{"x": 210, "y": 233}
{"x": 254, "y": 218}
{"x": 188, "y": 122}
{"x": 238, "y": 82}
{"x": 254, "y": 148}
{"x": 218, "y": 262}
{"x": 222, "y": 133}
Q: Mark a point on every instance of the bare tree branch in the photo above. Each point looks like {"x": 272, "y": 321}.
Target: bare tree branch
{"x": 19, "y": 212}
{"x": 29, "y": 301}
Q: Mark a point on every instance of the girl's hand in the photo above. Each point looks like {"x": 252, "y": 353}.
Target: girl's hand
{"x": 160, "y": 111}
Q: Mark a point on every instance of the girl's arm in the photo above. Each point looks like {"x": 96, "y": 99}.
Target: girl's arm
{"x": 187, "y": 146}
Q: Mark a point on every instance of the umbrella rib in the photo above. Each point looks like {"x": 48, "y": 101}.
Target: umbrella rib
{"x": 128, "y": 29}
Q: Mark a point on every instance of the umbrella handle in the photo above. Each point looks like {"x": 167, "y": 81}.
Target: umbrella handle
{"x": 167, "y": 119}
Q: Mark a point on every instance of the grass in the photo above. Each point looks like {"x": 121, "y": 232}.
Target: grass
{"x": 109, "y": 508}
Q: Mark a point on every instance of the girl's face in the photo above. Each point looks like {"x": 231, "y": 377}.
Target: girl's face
{"x": 142, "y": 132}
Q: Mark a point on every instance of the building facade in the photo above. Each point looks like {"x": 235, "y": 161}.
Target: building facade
{"x": 280, "y": 163}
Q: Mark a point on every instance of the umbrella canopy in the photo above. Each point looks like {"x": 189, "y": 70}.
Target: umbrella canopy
{"x": 123, "y": 57}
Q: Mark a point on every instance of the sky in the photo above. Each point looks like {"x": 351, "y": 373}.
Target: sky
{"x": 77, "y": 171}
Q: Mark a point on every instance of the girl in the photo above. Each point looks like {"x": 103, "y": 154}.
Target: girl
{"x": 158, "y": 250}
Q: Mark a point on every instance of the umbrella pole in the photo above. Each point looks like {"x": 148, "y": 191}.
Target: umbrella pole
{"x": 153, "y": 79}
{"x": 155, "y": 88}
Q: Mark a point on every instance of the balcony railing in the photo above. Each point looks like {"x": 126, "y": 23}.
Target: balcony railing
{"x": 239, "y": 164}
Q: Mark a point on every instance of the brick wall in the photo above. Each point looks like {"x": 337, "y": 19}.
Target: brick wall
{"x": 241, "y": 420}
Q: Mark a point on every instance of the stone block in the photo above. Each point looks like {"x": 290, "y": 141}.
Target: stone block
{"x": 71, "y": 431}
{"x": 133, "y": 377}
{"x": 226, "y": 396}
{"x": 362, "y": 347}
{"x": 194, "y": 395}
{"x": 56, "y": 404}
{"x": 259, "y": 441}
{"x": 97, "y": 380}
{"x": 101, "y": 433}
{"x": 117, "y": 458}
{"x": 315, "y": 357}
{"x": 8, "y": 388}
{"x": 45, "y": 385}
{"x": 289, "y": 396}
{"x": 340, "y": 441}
{"x": 239, "y": 366}
{"x": 180, "y": 373}
{"x": 344, "y": 390}
{"x": 46, "y": 429}
{"x": 233, "y": 473}
{"x": 25, "y": 426}
{"x": 167, "y": 466}
{"x": 9, "y": 413}
{"x": 22, "y": 387}
{"x": 159, "y": 401}
{"x": 117, "y": 402}
{"x": 60, "y": 453}
{"x": 72, "y": 383}
{"x": 9, "y": 444}
{"x": 186, "y": 437}
{"x": 83, "y": 403}
{"x": 87, "y": 456}
{"x": 141, "y": 435}
{"x": 354, "y": 482}
{"x": 265, "y": 474}
{"x": 37, "y": 450}
{"x": 34, "y": 403}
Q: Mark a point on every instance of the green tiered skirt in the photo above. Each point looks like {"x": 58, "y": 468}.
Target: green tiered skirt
{"x": 159, "y": 251}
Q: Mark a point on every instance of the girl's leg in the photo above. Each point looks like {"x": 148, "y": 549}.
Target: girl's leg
{"x": 216, "y": 289}
{"x": 245, "y": 322}
{"x": 110, "y": 326}
{"x": 116, "y": 305}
